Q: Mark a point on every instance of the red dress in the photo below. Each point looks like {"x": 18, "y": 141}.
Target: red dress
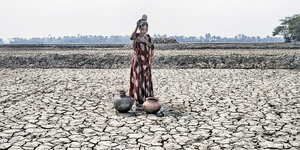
{"x": 140, "y": 74}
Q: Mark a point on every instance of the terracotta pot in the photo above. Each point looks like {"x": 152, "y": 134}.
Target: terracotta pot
{"x": 123, "y": 103}
{"x": 151, "y": 105}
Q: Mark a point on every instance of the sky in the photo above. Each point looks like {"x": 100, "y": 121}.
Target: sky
{"x": 225, "y": 18}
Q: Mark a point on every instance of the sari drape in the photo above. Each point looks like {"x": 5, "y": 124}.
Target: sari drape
{"x": 141, "y": 85}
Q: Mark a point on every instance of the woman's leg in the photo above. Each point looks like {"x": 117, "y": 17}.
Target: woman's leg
{"x": 137, "y": 84}
{"x": 149, "y": 90}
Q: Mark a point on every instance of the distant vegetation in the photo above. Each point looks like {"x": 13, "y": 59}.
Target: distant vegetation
{"x": 1, "y": 41}
{"x": 79, "y": 39}
{"x": 289, "y": 28}
{"x": 164, "y": 40}
{"x": 93, "y": 39}
{"x": 241, "y": 38}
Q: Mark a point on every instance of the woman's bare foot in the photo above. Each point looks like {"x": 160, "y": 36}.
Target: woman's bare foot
{"x": 139, "y": 107}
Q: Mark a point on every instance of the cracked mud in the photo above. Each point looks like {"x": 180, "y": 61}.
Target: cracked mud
{"x": 208, "y": 109}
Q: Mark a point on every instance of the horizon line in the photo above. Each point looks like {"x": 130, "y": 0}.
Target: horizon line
{"x": 149, "y": 34}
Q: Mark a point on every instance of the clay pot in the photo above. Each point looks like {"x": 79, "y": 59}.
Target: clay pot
{"x": 123, "y": 103}
{"x": 151, "y": 105}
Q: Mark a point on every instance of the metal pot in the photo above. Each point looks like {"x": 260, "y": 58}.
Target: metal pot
{"x": 123, "y": 103}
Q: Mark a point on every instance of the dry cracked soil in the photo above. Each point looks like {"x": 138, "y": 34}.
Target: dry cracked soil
{"x": 208, "y": 109}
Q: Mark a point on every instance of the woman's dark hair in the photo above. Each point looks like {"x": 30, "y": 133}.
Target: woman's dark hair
{"x": 142, "y": 24}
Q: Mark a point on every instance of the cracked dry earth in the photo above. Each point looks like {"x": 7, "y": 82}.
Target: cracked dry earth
{"x": 208, "y": 109}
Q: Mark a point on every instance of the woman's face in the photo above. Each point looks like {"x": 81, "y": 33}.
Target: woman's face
{"x": 144, "y": 30}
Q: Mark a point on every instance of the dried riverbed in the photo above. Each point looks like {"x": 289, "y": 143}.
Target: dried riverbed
{"x": 209, "y": 109}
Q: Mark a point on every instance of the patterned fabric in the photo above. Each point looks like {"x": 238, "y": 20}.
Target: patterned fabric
{"x": 140, "y": 73}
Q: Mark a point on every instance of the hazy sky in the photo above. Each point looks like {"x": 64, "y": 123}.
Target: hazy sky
{"x": 40, "y": 18}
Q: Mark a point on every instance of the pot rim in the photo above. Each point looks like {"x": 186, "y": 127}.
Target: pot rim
{"x": 152, "y": 98}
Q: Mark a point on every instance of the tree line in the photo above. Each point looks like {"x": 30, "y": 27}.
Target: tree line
{"x": 241, "y": 38}
{"x": 124, "y": 39}
{"x": 289, "y": 30}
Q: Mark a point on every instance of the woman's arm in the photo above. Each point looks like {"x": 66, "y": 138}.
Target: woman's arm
{"x": 133, "y": 35}
{"x": 140, "y": 39}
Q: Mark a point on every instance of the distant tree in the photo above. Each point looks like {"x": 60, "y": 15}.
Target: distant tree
{"x": 289, "y": 28}
{"x": 207, "y": 35}
{"x": 1, "y": 41}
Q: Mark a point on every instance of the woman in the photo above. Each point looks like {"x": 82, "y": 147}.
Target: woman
{"x": 141, "y": 65}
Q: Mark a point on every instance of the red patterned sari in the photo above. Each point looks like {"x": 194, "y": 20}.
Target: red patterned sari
{"x": 140, "y": 74}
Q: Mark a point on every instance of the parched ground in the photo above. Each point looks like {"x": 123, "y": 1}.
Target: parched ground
{"x": 208, "y": 109}
{"x": 119, "y": 58}
{"x": 170, "y": 52}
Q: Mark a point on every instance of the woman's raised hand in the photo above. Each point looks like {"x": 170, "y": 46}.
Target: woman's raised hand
{"x": 138, "y": 22}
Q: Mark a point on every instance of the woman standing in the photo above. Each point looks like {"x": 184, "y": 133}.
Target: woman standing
{"x": 141, "y": 65}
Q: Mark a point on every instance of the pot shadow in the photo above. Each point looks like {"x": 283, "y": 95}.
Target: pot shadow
{"x": 176, "y": 110}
